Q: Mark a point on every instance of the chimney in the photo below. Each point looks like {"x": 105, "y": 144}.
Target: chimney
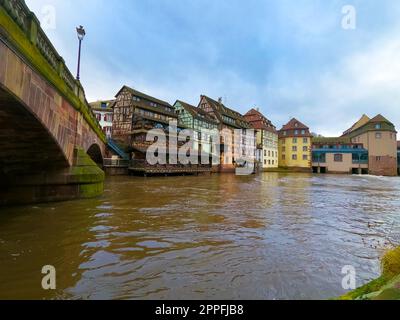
{"x": 220, "y": 100}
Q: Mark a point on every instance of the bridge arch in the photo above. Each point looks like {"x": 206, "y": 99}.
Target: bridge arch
{"x": 95, "y": 153}
{"x": 26, "y": 144}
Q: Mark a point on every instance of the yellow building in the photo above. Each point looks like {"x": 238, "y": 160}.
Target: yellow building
{"x": 295, "y": 146}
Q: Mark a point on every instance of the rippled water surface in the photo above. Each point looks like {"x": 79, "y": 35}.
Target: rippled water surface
{"x": 272, "y": 236}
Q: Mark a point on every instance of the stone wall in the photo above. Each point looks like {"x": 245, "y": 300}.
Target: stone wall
{"x": 63, "y": 122}
{"x": 383, "y": 165}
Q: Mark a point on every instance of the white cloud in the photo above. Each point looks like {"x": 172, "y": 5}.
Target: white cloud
{"x": 367, "y": 81}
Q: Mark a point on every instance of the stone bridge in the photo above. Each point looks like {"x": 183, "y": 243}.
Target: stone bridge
{"x": 50, "y": 140}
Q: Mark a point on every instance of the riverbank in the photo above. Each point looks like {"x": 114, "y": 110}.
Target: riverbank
{"x": 386, "y": 287}
{"x": 287, "y": 170}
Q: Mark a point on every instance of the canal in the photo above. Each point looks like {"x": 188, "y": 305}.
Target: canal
{"x": 272, "y": 236}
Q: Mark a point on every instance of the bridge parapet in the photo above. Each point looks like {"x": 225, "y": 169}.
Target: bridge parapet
{"x": 20, "y": 25}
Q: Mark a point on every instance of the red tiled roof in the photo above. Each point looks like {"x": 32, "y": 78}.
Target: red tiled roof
{"x": 198, "y": 112}
{"x": 294, "y": 124}
{"x": 240, "y": 121}
{"x": 258, "y": 121}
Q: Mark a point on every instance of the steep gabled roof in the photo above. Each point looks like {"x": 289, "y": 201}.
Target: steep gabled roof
{"x": 225, "y": 111}
{"x": 144, "y": 96}
{"x": 258, "y": 121}
{"x": 363, "y": 126}
{"x": 197, "y": 112}
{"x": 363, "y": 120}
{"x": 97, "y": 105}
{"x": 380, "y": 118}
{"x": 294, "y": 124}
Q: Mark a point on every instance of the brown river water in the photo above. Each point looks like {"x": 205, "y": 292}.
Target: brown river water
{"x": 272, "y": 236}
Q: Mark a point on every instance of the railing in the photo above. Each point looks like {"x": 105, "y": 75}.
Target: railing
{"x": 360, "y": 161}
{"x": 29, "y": 24}
{"x": 137, "y": 164}
{"x": 19, "y": 11}
{"x": 114, "y": 146}
{"x": 116, "y": 163}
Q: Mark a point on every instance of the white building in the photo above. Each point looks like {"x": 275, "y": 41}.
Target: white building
{"x": 103, "y": 111}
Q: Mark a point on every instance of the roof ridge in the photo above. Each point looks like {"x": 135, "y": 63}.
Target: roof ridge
{"x": 145, "y": 95}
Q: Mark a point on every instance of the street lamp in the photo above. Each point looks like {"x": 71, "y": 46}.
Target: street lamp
{"x": 81, "y": 34}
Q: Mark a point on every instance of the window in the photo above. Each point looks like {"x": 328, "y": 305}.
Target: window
{"x": 265, "y": 153}
{"x": 283, "y": 149}
{"x": 303, "y": 132}
{"x": 378, "y": 126}
{"x": 104, "y": 105}
{"x": 378, "y": 135}
{"x": 378, "y": 158}
{"x": 305, "y": 140}
{"x": 294, "y": 140}
{"x": 296, "y": 132}
{"x": 294, "y": 157}
{"x": 338, "y": 157}
{"x": 283, "y": 157}
{"x": 269, "y": 153}
{"x": 284, "y": 133}
{"x": 305, "y": 149}
{"x": 294, "y": 149}
{"x": 265, "y": 162}
{"x": 273, "y": 162}
{"x": 269, "y": 162}
{"x": 305, "y": 157}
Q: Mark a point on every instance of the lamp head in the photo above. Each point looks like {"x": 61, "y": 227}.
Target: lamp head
{"x": 81, "y": 33}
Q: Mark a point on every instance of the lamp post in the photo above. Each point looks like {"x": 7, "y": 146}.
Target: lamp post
{"x": 81, "y": 34}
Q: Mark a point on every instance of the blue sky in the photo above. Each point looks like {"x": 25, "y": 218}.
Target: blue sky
{"x": 290, "y": 58}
